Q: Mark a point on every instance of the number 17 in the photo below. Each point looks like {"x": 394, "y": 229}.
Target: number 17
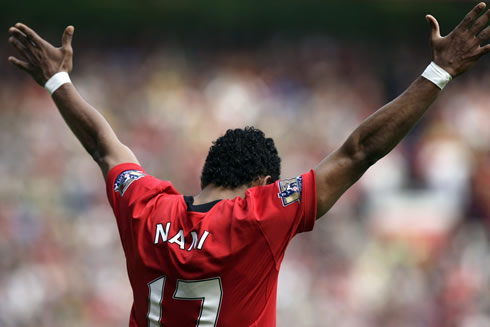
{"x": 209, "y": 291}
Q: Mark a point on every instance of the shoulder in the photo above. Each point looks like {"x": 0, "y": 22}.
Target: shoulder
{"x": 131, "y": 181}
{"x": 284, "y": 201}
{"x": 284, "y": 192}
{"x": 126, "y": 178}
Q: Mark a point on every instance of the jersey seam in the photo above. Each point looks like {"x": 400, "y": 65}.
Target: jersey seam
{"x": 268, "y": 244}
{"x": 254, "y": 323}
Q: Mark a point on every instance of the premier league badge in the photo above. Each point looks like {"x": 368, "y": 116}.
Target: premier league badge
{"x": 290, "y": 190}
{"x": 125, "y": 179}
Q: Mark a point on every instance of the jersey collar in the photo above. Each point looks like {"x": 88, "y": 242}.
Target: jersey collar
{"x": 205, "y": 207}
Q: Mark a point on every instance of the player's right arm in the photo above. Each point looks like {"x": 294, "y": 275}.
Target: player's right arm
{"x": 41, "y": 60}
{"x": 384, "y": 129}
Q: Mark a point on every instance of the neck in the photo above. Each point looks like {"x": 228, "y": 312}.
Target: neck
{"x": 212, "y": 193}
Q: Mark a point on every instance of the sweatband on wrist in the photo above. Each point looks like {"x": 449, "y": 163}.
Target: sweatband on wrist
{"x": 56, "y": 81}
{"x": 437, "y": 75}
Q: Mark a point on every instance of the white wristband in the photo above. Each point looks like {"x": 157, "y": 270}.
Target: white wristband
{"x": 437, "y": 75}
{"x": 56, "y": 81}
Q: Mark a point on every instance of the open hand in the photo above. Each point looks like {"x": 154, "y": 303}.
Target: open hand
{"x": 461, "y": 48}
{"x": 42, "y": 60}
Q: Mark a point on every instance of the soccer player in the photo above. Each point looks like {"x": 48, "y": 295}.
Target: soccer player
{"x": 213, "y": 259}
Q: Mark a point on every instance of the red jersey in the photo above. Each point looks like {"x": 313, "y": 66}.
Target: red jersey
{"x": 214, "y": 264}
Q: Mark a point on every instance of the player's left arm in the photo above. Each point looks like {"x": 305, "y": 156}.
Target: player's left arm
{"x": 42, "y": 60}
{"x": 384, "y": 129}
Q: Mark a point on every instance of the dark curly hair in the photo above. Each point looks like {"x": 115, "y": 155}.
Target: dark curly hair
{"x": 239, "y": 157}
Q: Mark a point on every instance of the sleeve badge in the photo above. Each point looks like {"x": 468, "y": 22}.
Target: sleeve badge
{"x": 290, "y": 190}
{"x": 125, "y": 179}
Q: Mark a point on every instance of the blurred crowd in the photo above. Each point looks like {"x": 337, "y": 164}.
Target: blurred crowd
{"x": 408, "y": 245}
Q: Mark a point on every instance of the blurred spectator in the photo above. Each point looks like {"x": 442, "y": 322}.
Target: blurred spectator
{"x": 406, "y": 246}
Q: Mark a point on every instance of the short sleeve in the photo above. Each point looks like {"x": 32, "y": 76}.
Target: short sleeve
{"x": 284, "y": 209}
{"x": 129, "y": 189}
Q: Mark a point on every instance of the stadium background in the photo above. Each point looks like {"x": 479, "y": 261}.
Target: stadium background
{"x": 406, "y": 246}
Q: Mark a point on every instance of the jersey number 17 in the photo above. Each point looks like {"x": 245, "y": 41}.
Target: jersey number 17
{"x": 209, "y": 291}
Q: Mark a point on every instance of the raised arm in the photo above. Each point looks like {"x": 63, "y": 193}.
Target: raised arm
{"x": 384, "y": 129}
{"x": 41, "y": 60}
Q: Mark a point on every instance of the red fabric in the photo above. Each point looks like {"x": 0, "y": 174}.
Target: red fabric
{"x": 244, "y": 248}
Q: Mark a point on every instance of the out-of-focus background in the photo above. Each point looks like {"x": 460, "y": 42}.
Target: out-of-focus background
{"x": 408, "y": 245}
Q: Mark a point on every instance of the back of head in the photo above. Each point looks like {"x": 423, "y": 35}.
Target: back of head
{"x": 240, "y": 157}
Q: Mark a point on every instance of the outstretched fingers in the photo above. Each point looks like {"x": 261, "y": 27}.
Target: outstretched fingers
{"x": 480, "y": 23}
{"x": 22, "y": 47}
{"x": 484, "y": 50}
{"x": 484, "y": 35}
{"x": 14, "y": 31}
{"x": 471, "y": 16}
{"x": 29, "y": 33}
{"x": 19, "y": 35}
{"x": 20, "y": 64}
